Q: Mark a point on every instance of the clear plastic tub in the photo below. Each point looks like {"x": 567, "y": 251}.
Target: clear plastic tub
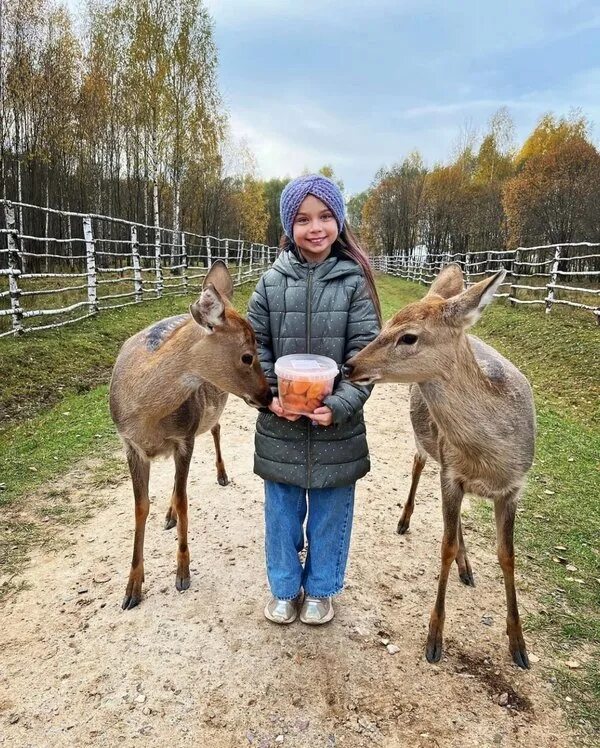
{"x": 304, "y": 381}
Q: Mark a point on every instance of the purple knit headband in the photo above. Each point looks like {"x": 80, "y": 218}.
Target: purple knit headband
{"x": 314, "y": 184}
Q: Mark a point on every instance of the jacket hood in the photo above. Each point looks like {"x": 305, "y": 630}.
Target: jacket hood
{"x": 333, "y": 267}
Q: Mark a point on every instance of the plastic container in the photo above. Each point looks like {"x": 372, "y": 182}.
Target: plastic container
{"x": 304, "y": 381}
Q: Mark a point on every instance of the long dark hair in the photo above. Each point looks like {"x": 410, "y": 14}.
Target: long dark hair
{"x": 346, "y": 245}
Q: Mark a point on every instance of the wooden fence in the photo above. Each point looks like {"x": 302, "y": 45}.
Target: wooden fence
{"x": 76, "y": 266}
{"x": 83, "y": 265}
{"x": 547, "y": 275}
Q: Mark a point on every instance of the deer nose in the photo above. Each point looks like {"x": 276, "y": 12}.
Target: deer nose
{"x": 347, "y": 370}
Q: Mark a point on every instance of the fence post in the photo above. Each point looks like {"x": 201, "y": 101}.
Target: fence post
{"x": 553, "y": 276}
{"x": 90, "y": 252}
{"x": 184, "y": 262}
{"x": 208, "y": 254}
{"x": 158, "y": 262}
{"x": 467, "y": 264}
{"x": 240, "y": 257}
{"x": 250, "y": 264}
{"x": 512, "y": 296}
{"x": 135, "y": 261}
{"x": 13, "y": 265}
{"x": 227, "y": 252}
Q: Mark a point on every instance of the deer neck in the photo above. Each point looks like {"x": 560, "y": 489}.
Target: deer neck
{"x": 457, "y": 400}
{"x": 185, "y": 362}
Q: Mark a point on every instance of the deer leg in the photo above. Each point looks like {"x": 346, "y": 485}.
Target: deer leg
{"x": 183, "y": 457}
{"x": 452, "y": 495}
{"x": 221, "y": 474}
{"x": 462, "y": 560}
{"x": 140, "y": 475}
{"x": 404, "y": 523}
{"x": 505, "y": 510}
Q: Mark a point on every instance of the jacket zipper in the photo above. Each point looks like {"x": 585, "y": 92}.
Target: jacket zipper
{"x": 308, "y": 350}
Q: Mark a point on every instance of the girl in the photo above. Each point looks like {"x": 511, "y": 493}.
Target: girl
{"x": 319, "y": 297}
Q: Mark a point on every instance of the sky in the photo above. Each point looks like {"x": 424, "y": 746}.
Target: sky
{"x": 359, "y": 85}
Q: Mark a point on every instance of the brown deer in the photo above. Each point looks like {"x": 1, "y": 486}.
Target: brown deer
{"x": 472, "y": 411}
{"x": 170, "y": 383}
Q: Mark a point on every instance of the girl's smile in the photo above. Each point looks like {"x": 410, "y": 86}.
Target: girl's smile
{"x": 315, "y": 229}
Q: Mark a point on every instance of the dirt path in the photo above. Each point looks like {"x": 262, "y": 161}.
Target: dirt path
{"x": 203, "y": 668}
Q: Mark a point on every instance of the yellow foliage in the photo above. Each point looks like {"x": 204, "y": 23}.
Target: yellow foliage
{"x": 550, "y": 133}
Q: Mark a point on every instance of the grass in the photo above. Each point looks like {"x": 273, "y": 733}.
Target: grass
{"x": 40, "y": 370}
{"x": 54, "y": 412}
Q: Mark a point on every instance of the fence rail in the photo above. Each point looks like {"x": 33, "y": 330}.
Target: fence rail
{"x": 546, "y": 275}
{"x": 88, "y": 263}
{"x": 59, "y": 267}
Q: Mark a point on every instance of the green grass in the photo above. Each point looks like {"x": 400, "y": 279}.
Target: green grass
{"x": 42, "y": 368}
{"x": 53, "y": 408}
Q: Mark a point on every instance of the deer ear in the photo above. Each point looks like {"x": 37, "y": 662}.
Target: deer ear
{"x": 465, "y": 309}
{"x": 448, "y": 283}
{"x": 209, "y": 310}
{"x": 219, "y": 277}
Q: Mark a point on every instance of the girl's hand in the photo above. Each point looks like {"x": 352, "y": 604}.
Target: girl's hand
{"x": 275, "y": 407}
{"x": 322, "y": 416}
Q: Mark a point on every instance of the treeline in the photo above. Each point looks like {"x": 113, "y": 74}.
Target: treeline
{"x": 124, "y": 119}
{"x": 491, "y": 196}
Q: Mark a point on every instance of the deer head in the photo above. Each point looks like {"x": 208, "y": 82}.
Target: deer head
{"x": 228, "y": 346}
{"x": 420, "y": 342}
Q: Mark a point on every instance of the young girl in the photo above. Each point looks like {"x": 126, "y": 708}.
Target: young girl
{"x": 319, "y": 297}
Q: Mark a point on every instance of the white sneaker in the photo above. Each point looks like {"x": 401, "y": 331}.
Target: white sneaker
{"x": 316, "y": 610}
{"x": 282, "y": 611}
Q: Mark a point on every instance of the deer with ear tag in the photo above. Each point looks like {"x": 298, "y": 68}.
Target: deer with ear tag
{"x": 472, "y": 411}
{"x": 170, "y": 382}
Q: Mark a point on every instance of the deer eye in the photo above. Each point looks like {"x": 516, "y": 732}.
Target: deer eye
{"x": 407, "y": 339}
{"x": 247, "y": 358}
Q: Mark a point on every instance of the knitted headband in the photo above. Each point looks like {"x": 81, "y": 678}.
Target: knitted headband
{"x": 314, "y": 184}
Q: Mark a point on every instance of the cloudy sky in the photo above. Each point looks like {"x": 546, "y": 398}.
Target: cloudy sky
{"x": 359, "y": 85}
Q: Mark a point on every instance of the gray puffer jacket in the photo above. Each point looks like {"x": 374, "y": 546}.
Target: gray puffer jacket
{"x": 325, "y": 309}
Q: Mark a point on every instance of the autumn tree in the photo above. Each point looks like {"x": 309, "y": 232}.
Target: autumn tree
{"x": 355, "y": 207}
{"x": 272, "y": 190}
{"x": 555, "y": 197}
{"x": 551, "y": 132}
{"x": 392, "y": 211}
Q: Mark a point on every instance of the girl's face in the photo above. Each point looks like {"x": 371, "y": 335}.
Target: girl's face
{"x": 315, "y": 229}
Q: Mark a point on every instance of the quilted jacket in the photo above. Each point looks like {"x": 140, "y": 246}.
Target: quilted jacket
{"x": 321, "y": 308}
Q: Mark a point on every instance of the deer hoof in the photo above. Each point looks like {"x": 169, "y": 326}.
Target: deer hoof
{"x": 433, "y": 650}
{"x": 130, "y": 601}
{"x": 182, "y": 583}
{"x": 520, "y": 658}
{"x": 223, "y": 479}
{"x": 403, "y": 526}
{"x": 466, "y": 577}
{"x": 170, "y": 518}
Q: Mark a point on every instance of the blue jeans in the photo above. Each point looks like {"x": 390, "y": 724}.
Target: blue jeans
{"x": 328, "y": 529}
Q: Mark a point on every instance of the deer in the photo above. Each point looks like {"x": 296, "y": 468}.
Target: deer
{"x": 472, "y": 411}
{"x": 170, "y": 383}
